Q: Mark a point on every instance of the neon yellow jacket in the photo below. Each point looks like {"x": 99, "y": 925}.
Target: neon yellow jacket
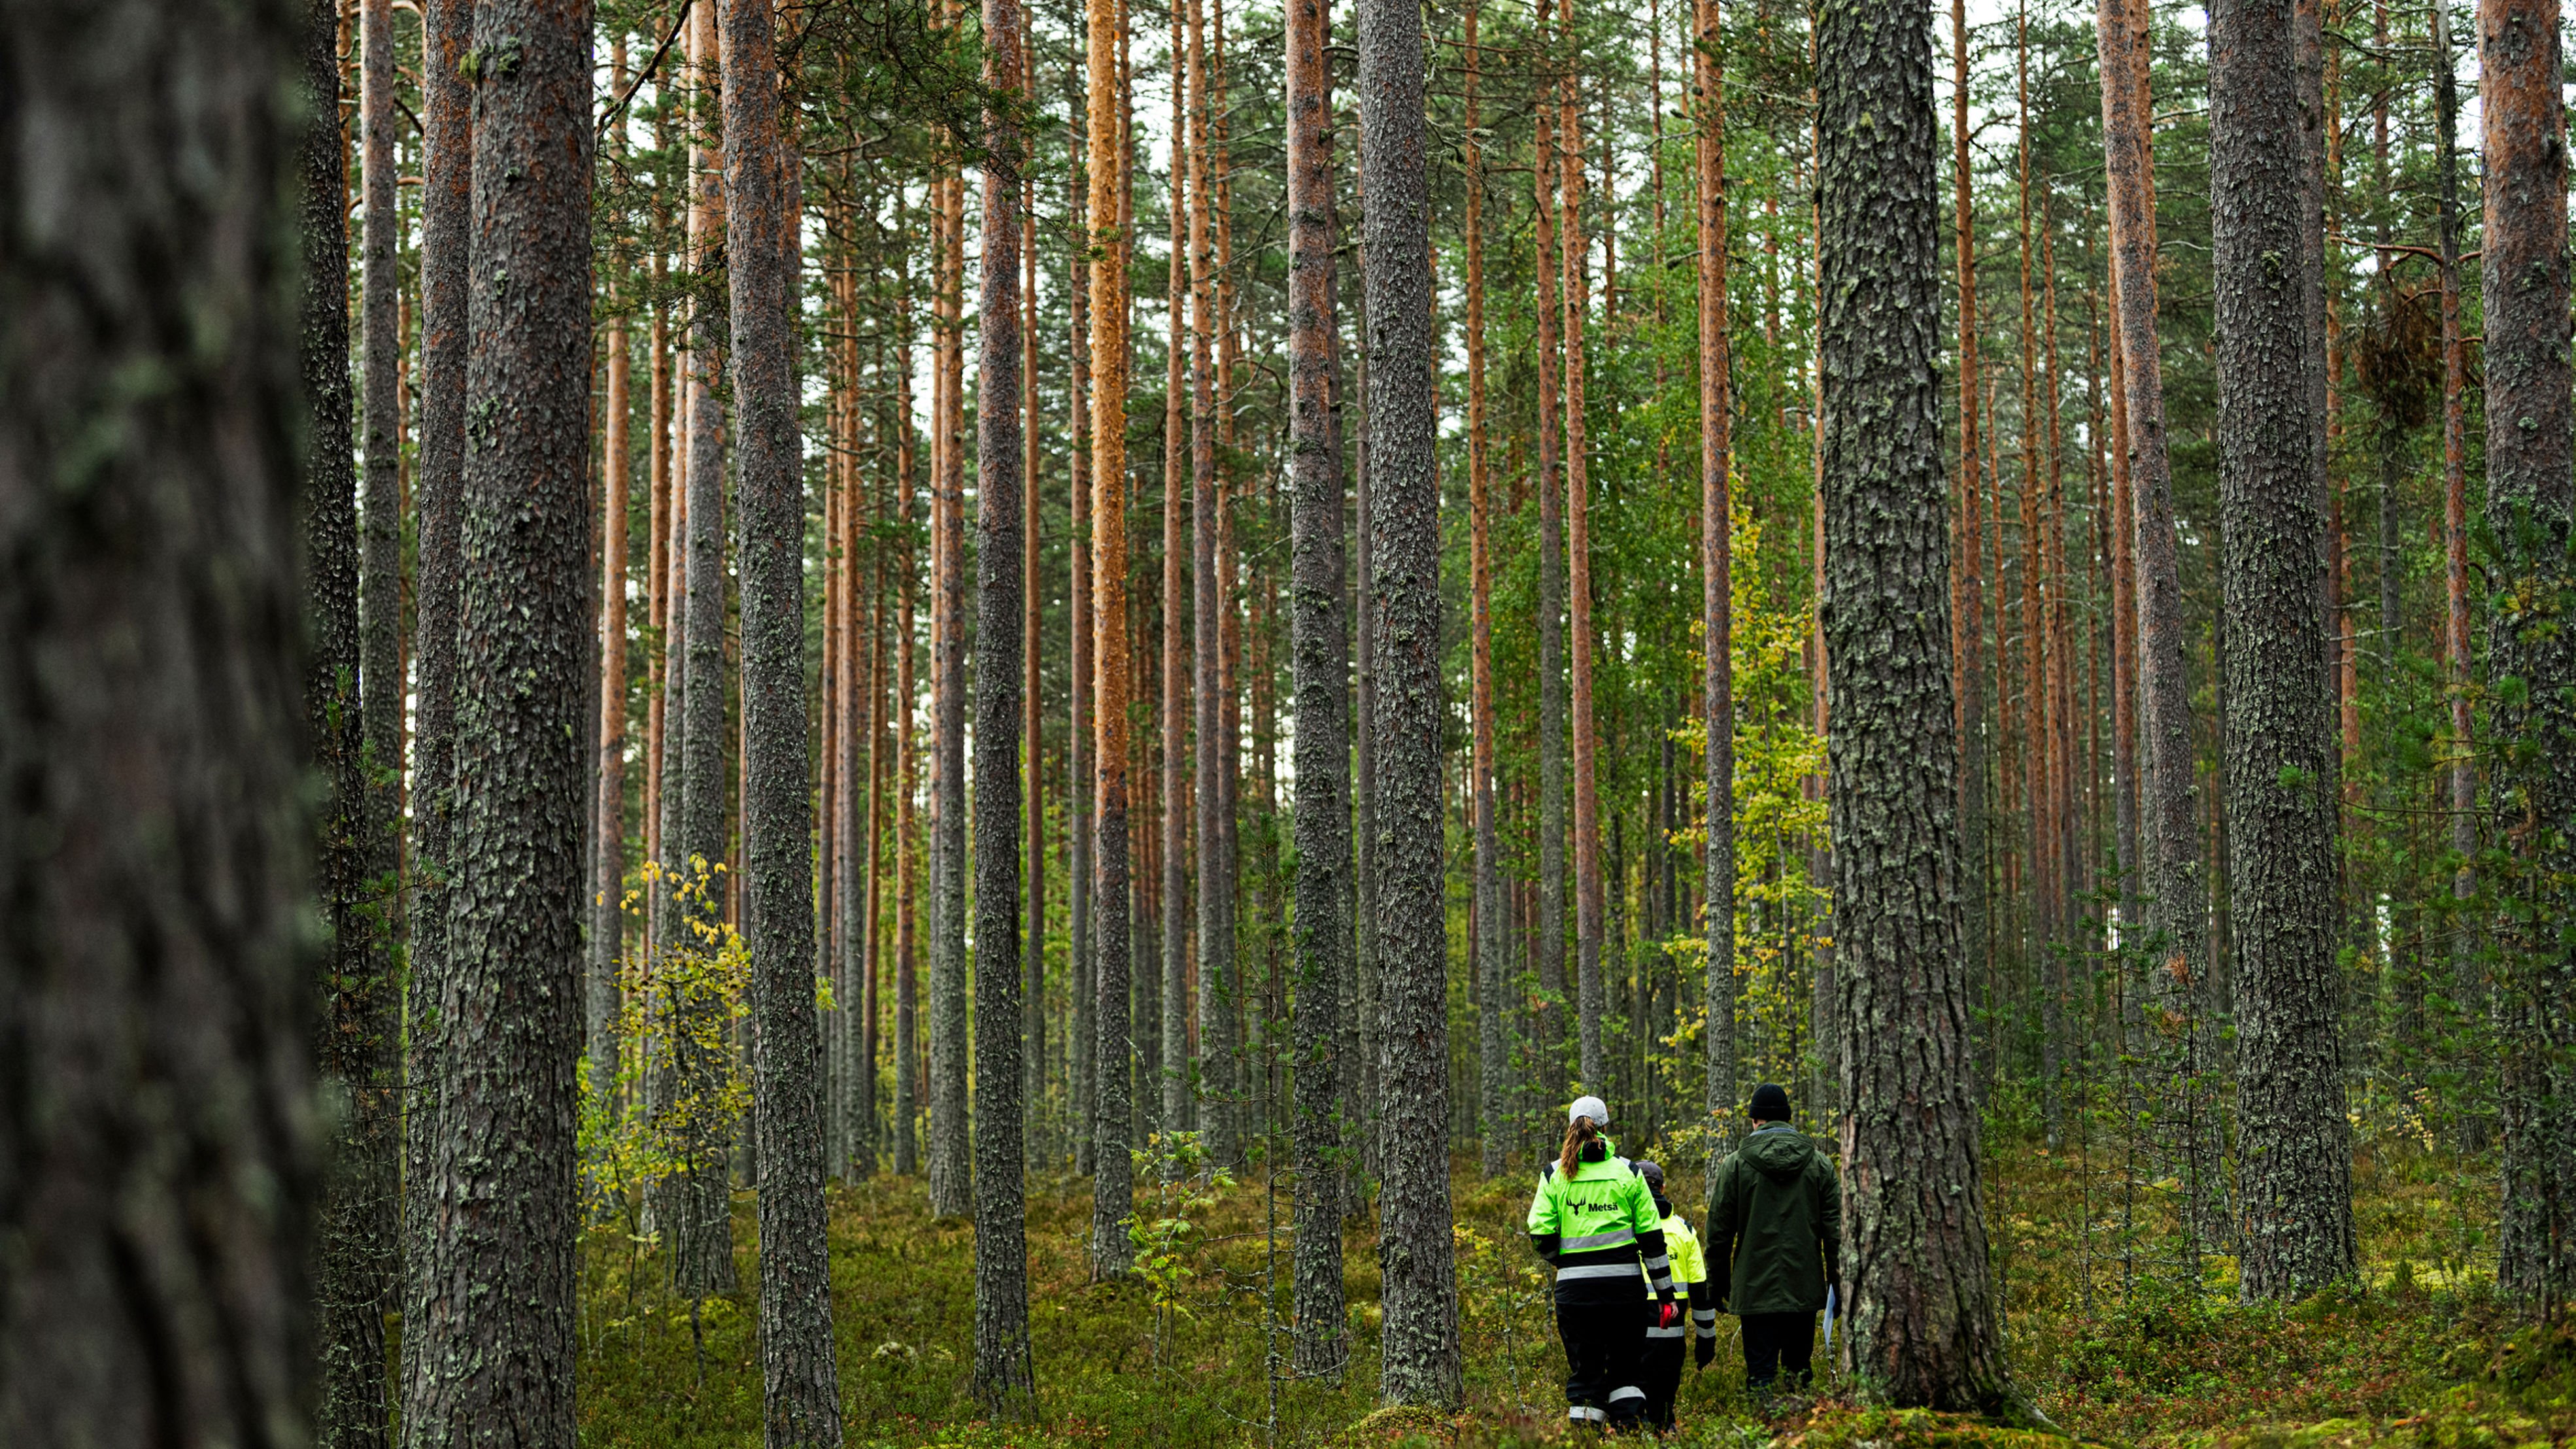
{"x": 1594, "y": 1227}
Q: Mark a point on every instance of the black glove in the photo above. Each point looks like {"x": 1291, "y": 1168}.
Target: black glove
{"x": 1704, "y": 1350}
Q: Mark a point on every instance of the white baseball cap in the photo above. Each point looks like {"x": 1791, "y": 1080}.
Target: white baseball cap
{"x": 1592, "y": 1107}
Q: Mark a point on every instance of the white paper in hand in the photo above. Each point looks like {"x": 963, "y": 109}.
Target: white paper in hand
{"x": 1829, "y": 1317}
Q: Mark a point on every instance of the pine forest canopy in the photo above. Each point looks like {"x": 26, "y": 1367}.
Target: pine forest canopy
{"x": 1104, "y": 603}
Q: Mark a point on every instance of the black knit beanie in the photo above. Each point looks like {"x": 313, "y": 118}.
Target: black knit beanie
{"x": 1770, "y": 1103}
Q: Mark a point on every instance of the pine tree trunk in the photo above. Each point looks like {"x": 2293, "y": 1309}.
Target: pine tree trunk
{"x": 1079, "y": 1104}
{"x": 951, "y": 1163}
{"x": 1922, "y": 1323}
{"x": 2179, "y": 978}
{"x": 1717, "y": 576}
{"x": 2527, "y": 511}
{"x": 1968, "y": 621}
{"x": 1169, "y": 1026}
{"x": 157, "y": 847}
{"x": 356, "y": 1407}
{"x": 800, "y": 1383}
{"x": 446, "y": 197}
{"x": 608, "y": 877}
{"x": 351, "y": 1030}
{"x": 1589, "y": 906}
{"x": 1319, "y": 637}
{"x": 1493, "y": 1045}
{"x": 1551, "y": 623}
{"x": 1416, "y": 1261}
{"x": 907, "y": 842}
{"x": 1033, "y": 1022}
{"x": 701, "y": 1228}
{"x": 499, "y": 1320}
{"x": 1003, "y": 1381}
{"x": 2294, "y": 1152}
{"x": 1113, "y": 1185}
{"x": 1219, "y": 1111}
{"x": 2469, "y": 981}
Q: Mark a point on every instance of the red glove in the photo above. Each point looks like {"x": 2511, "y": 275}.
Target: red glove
{"x": 1671, "y": 1314}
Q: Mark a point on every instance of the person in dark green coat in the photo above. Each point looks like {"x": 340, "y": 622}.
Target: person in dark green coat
{"x": 1774, "y": 1239}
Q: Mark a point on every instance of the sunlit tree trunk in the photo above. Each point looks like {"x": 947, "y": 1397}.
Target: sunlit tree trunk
{"x": 1112, "y": 1182}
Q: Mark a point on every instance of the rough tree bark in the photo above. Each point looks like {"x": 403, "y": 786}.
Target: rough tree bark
{"x": 1415, "y": 1257}
{"x": 353, "y": 1029}
{"x": 1168, "y": 1027}
{"x": 356, "y": 1409}
{"x": 1002, "y": 1371}
{"x": 499, "y": 1325}
{"x": 800, "y": 1382}
{"x": 1717, "y": 612}
{"x": 446, "y": 210}
{"x": 1113, "y": 1183}
{"x": 1493, "y": 1045}
{"x": 1923, "y": 1329}
{"x": 1218, "y": 1109}
{"x": 2294, "y": 1154}
{"x": 155, "y": 985}
{"x": 2532, "y": 662}
{"x": 2469, "y": 981}
{"x": 1078, "y": 753}
{"x": 951, "y": 1162}
{"x": 1320, "y": 641}
{"x": 700, "y": 1223}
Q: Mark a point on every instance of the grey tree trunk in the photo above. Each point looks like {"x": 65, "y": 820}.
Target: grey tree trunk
{"x": 353, "y": 1037}
{"x": 1219, "y": 1109}
{"x": 801, "y": 1385}
{"x": 446, "y": 207}
{"x": 699, "y": 1226}
{"x": 374, "y": 1124}
{"x": 1319, "y": 639}
{"x": 1416, "y": 1262}
{"x": 498, "y": 1326}
{"x": 155, "y": 981}
{"x": 1922, "y": 1326}
{"x": 2532, "y": 663}
{"x": 2294, "y": 1156}
{"x": 1717, "y": 610}
{"x": 951, "y": 1166}
{"x": 1003, "y": 1375}
{"x": 1078, "y": 766}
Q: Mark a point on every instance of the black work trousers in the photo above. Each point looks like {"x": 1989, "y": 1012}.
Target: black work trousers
{"x": 1661, "y": 1373}
{"x": 1604, "y": 1344}
{"x": 1777, "y": 1344}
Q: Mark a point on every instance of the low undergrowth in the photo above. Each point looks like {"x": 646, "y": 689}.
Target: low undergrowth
{"x": 2111, "y": 1347}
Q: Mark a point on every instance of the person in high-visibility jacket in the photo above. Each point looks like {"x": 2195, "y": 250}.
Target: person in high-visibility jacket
{"x": 1662, "y": 1373}
{"x": 1594, "y": 1221}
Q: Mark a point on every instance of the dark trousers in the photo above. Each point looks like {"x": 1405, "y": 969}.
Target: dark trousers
{"x": 1603, "y": 1343}
{"x": 1777, "y": 1343}
{"x": 1660, "y": 1372}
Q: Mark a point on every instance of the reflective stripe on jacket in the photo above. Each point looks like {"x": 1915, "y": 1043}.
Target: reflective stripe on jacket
{"x": 1598, "y": 1228}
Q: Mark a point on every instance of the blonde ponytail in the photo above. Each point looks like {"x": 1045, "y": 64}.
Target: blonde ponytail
{"x": 1579, "y": 1134}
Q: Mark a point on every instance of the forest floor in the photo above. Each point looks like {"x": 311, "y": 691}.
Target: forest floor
{"x": 2417, "y": 1354}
